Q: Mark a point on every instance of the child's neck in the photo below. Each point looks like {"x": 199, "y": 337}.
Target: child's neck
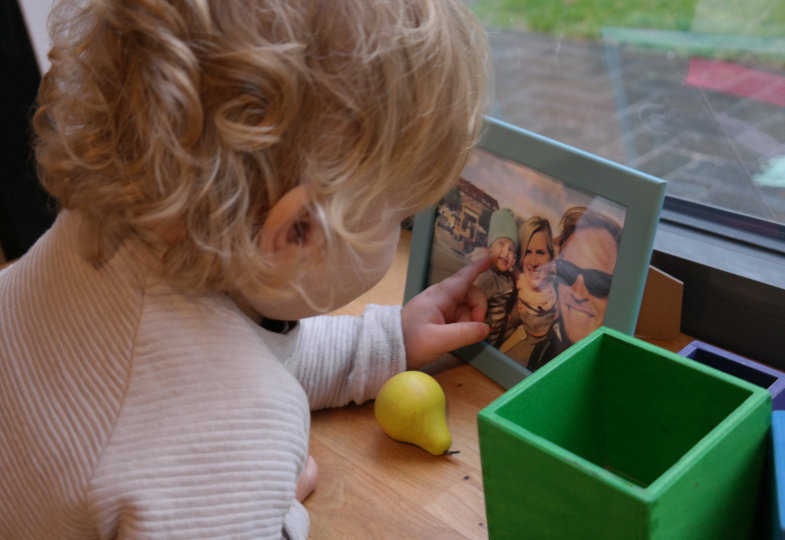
{"x": 273, "y": 325}
{"x": 246, "y": 308}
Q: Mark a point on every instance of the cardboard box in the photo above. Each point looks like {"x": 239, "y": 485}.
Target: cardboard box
{"x": 617, "y": 438}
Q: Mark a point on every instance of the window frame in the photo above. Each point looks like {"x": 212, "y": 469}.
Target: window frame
{"x": 733, "y": 272}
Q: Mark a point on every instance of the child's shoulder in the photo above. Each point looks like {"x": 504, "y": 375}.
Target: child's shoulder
{"x": 202, "y": 324}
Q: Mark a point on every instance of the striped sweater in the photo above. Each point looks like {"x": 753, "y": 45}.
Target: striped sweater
{"x": 128, "y": 410}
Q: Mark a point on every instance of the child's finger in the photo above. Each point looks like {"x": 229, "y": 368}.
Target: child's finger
{"x": 457, "y": 284}
{"x": 477, "y": 302}
{"x": 469, "y": 273}
{"x": 473, "y": 307}
{"x": 449, "y": 337}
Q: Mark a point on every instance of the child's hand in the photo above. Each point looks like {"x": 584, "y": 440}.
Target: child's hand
{"x": 308, "y": 478}
{"x": 445, "y": 316}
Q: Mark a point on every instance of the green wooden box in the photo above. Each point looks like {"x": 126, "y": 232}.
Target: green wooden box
{"x": 617, "y": 438}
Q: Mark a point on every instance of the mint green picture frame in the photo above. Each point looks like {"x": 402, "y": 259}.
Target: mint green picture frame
{"x": 642, "y": 195}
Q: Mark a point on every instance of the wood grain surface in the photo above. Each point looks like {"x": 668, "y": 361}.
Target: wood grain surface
{"x": 372, "y": 487}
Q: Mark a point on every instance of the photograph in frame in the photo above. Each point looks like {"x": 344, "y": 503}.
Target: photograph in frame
{"x": 570, "y": 236}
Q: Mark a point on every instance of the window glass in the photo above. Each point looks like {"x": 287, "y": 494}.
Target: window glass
{"x": 692, "y": 91}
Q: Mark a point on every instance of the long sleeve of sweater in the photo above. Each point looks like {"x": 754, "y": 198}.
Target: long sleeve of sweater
{"x": 343, "y": 359}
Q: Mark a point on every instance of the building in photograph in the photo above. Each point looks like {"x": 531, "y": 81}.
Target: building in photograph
{"x": 465, "y": 213}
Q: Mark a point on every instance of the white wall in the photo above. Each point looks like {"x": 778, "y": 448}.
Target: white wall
{"x": 35, "y": 13}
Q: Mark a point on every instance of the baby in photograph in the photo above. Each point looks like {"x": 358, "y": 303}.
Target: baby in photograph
{"x": 498, "y": 282}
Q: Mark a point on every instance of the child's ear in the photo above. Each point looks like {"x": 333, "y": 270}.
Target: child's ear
{"x": 290, "y": 228}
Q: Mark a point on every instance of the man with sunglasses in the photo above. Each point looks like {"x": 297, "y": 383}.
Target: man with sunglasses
{"x": 588, "y": 247}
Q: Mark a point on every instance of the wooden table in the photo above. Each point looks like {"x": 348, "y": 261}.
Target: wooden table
{"x": 373, "y": 487}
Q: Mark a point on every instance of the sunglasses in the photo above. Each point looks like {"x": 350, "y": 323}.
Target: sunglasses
{"x": 597, "y": 282}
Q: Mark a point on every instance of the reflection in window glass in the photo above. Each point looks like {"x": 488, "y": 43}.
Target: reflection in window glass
{"x": 692, "y": 91}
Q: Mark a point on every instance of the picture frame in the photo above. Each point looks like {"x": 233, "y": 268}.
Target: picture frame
{"x": 515, "y": 171}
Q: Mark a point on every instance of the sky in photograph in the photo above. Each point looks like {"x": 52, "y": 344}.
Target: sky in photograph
{"x": 528, "y": 192}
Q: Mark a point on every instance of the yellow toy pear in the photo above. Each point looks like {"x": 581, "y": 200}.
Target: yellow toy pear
{"x": 411, "y": 408}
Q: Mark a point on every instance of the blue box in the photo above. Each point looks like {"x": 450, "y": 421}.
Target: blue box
{"x": 762, "y": 375}
{"x": 778, "y": 480}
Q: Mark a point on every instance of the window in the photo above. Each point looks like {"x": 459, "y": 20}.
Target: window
{"x": 692, "y": 91}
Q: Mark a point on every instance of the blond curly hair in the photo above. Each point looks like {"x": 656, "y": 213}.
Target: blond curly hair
{"x": 182, "y": 122}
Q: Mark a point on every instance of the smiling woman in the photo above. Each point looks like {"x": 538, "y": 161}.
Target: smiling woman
{"x": 536, "y": 294}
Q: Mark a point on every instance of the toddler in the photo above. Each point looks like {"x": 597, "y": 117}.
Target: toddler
{"x": 224, "y": 168}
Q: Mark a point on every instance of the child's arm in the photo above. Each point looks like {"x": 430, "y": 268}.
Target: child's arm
{"x": 445, "y": 316}
{"x": 340, "y": 359}
{"x": 307, "y": 480}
